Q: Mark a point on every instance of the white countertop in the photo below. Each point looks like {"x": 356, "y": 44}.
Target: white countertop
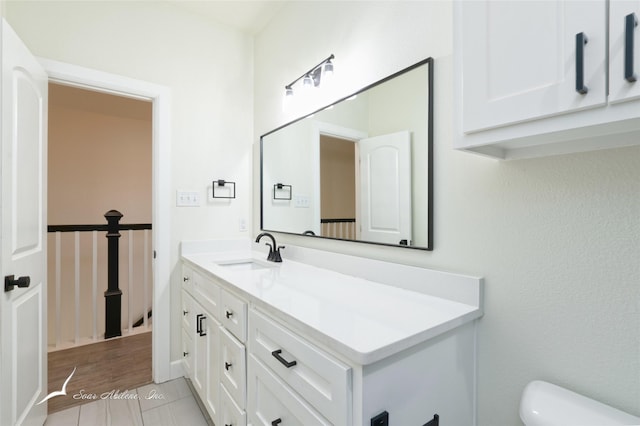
{"x": 363, "y": 320}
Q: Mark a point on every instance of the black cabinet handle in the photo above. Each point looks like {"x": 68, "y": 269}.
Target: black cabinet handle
{"x": 10, "y": 282}
{"x": 228, "y": 314}
{"x": 276, "y": 355}
{"x": 630, "y": 23}
{"x": 184, "y": 313}
{"x": 185, "y": 279}
{"x": 199, "y": 329}
{"x": 276, "y": 422}
{"x": 185, "y": 354}
{"x": 227, "y": 365}
{"x": 581, "y": 40}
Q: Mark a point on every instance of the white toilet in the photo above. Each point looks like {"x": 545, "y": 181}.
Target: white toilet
{"x": 545, "y": 404}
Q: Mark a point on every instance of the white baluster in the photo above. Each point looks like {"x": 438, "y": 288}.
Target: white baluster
{"x": 77, "y": 285}
{"x": 130, "y": 283}
{"x": 58, "y": 284}
{"x": 94, "y": 292}
{"x": 145, "y": 277}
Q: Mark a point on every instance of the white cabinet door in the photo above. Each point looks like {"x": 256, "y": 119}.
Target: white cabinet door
{"x": 520, "y": 60}
{"x": 233, "y": 367}
{"x": 23, "y": 365}
{"x": 212, "y": 398}
{"x": 624, "y": 50}
{"x": 199, "y": 377}
{"x": 205, "y": 360}
{"x": 187, "y": 353}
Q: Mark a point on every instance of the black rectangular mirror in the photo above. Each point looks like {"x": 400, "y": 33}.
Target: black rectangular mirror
{"x": 358, "y": 170}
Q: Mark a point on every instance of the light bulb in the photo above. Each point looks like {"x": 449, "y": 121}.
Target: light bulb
{"x": 287, "y": 99}
{"x": 307, "y": 82}
{"x": 327, "y": 69}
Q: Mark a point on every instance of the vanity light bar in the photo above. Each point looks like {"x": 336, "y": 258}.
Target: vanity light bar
{"x": 313, "y": 76}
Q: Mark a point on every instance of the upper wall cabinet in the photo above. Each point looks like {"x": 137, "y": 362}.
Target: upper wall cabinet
{"x": 541, "y": 78}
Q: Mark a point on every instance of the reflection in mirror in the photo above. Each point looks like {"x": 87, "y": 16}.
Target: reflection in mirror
{"x": 358, "y": 170}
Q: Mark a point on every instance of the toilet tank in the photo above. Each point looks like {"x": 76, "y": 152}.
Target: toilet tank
{"x": 545, "y": 404}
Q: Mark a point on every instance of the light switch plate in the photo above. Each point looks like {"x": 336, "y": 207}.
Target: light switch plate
{"x": 187, "y": 198}
{"x": 301, "y": 201}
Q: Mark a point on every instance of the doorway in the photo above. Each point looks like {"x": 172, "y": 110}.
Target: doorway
{"x": 72, "y": 75}
{"x": 99, "y": 159}
{"x": 338, "y": 191}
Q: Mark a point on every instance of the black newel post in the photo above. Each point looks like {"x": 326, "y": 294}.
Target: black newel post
{"x": 113, "y": 295}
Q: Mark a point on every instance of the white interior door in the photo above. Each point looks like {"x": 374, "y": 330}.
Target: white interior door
{"x": 385, "y": 188}
{"x": 23, "y": 215}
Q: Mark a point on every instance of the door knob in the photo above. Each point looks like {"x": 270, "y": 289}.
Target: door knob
{"x": 10, "y": 282}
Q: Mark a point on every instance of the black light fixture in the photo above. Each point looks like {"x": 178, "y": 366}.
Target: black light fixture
{"x": 312, "y": 77}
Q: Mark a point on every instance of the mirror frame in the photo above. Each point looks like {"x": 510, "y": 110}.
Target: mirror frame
{"x": 429, "y": 62}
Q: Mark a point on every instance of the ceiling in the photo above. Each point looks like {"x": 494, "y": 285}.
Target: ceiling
{"x": 249, "y": 16}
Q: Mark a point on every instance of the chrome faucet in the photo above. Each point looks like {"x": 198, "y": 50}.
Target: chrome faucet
{"x": 274, "y": 250}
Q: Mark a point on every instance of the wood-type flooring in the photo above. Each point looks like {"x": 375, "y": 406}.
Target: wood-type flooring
{"x": 114, "y": 365}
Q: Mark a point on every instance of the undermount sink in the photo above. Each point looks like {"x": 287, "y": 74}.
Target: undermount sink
{"x": 244, "y": 265}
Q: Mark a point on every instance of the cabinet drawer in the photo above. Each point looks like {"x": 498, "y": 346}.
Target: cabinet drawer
{"x": 233, "y": 367}
{"x": 271, "y": 399}
{"x": 207, "y": 293}
{"x": 322, "y": 380}
{"x": 230, "y": 413}
{"x": 234, "y": 315}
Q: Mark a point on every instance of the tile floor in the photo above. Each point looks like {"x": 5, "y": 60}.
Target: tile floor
{"x": 166, "y": 404}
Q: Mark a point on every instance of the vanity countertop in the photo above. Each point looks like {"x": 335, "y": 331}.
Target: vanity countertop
{"x": 363, "y": 320}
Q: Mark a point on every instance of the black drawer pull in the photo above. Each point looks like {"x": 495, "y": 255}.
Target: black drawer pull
{"x": 185, "y": 353}
{"x": 184, "y": 313}
{"x": 227, "y": 365}
{"x": 276, "y": 355}
{"x": 276, "y": 422}
{"x": 581, "y": 40}
{"x": 630, "y": 23}
{"x": 185, "y": 279}
{"x": 228, "y": 314}
{"x": 199, "y": 329}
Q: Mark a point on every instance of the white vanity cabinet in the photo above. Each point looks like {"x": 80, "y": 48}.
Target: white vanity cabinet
{"x": 212, "y": 357}
{"x": 324, "y": 343}
{"x": 539, "y": 78}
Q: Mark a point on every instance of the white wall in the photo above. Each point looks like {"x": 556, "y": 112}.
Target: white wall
{"x": 209, "y": 71}
{"x": 557, "y": 239}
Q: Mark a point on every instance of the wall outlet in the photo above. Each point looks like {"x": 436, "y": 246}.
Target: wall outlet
{"x": 301, "y": 201}
{"x": 187, "y": 198}
{"x": 242, "y": 225}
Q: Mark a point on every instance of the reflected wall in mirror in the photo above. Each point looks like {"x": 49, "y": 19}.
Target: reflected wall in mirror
{"x": 360, "y": 169}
